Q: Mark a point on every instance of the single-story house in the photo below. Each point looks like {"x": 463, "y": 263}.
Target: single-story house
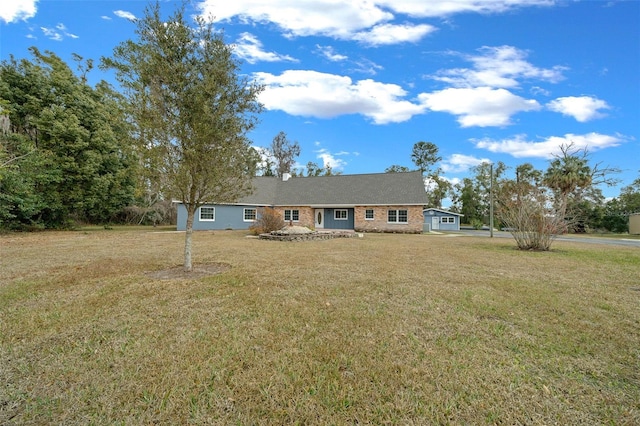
{"x": 443, "y": 220}
{"x": 377, "y": 202}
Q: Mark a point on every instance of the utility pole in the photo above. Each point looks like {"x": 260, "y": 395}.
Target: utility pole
{"x": 491, "y": 201}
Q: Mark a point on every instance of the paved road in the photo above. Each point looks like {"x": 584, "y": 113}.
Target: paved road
{"x": 574, "y": 238}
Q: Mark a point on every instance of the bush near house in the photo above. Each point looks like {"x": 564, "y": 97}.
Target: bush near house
{"x": 268, "y": 220}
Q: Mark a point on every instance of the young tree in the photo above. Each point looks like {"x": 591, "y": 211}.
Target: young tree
{"x": 522, "y": 206}
{"x": 284, "y": 152}
{"x": 191, "y": 107}
{"x": 523, "y": 209}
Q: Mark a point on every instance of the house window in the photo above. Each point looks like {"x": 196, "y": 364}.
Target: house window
{"x": 447, "y": 219}
{"x": 249, "y": 215}
{"x": 291, "y": 215}
{"x": 368, "y": 214}
{"x": 207, "y": 214}
{"x": 340, "y": 214}
{"x": 397, "y": 216}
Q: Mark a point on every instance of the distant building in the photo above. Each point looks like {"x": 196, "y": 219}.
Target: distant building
{"x": 377, "y": 202}
{"x": 634, "y": 223}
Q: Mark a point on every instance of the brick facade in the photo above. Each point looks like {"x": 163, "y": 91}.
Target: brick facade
{"x": 305, "y": 215}
{"x": 379, "y": 223}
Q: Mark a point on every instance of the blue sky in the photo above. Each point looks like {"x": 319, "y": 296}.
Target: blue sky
{"x": 358, "y": 82}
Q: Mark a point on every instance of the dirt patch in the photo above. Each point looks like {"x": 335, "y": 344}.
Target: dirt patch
{"x": 199, "y": 271}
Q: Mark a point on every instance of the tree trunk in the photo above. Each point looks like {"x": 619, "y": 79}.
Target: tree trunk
{"x": 191, "y": 212}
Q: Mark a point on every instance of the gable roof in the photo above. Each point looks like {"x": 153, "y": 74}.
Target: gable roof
{"x": 340, "y": 190}
{"x": 442, "y": 211}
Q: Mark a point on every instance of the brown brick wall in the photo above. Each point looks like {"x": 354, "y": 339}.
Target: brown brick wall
{"x": 305, "y": 218}
{"x": 380, "y": 224}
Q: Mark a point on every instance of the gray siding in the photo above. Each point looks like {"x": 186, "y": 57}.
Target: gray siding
{"x": 226, "y": 217}
{"x": 441, "y": 226}
{"x": 331, "y": 223}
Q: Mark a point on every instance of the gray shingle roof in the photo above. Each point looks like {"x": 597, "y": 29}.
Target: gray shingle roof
{"x": 340, "y": 190}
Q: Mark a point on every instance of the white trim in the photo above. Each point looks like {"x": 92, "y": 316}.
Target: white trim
{"x": 373, "y": 214}
{"x": 346, "y": 214}
{"x": 397, "y": 221}
{"x": 244, "y": 214}
{"x": 206, "y": 220}
{"x": 291, "y": 219}
{"x": 442, "y": 211}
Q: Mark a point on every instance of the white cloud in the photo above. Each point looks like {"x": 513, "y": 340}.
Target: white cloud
{"x": 58, "y": 33}
{"x": 249, "y": 48}
{"x": 535, "y": 90}
{"x": 329, "y": 53}
{"x": 458, "y": 163}
{"x": 582, "y": 108}
{"x": 385, "y": 34}
{"x": 443, "y": 8}
{"x": 366, "y": 66}
{"x": 498, "y": 67}
{"x": 51, "y": 33}
{"x": 520, "y": 147}
{"x": 125, "y": 15}
{"x": 17, "y": 10}
{"x": 335, "y": 18}
{"x": 348, "y": 19}
{"x": 106, "y": 18}
{"x": 480, "y": 106}
{"x": 330, "y": 160}
{"x": 311, "y": 93}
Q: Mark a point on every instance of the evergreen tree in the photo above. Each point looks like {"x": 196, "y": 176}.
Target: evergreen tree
{"x": 68, "y": 143}
{"x": 192, "y": 110}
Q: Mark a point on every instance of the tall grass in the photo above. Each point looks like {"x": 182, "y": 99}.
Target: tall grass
{"x": 387, "y": 329}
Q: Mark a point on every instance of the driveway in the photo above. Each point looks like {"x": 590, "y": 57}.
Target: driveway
{"x": 629, "y": 242}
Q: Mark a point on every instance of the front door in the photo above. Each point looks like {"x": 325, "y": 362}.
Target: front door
{"x": 435, "y": 223}
{"x": 319, "y": 214}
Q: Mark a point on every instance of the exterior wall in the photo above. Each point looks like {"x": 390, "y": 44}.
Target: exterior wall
{"x": 380, "y": 224}
{"x": 305, "y": 215}
{"x": 331, "y": 223}
{"x": 455, "y": 226}
{"x": 634, "y": 223}
{"x": 232, "y": 217}
{"x": 226, "y": 217}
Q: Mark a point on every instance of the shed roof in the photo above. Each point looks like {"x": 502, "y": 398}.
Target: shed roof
{"x": 443, "y": 211}
{"x": 340, "y": 190}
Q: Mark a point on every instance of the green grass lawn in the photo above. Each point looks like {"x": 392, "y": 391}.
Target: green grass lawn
{"x": 385, "y": 329}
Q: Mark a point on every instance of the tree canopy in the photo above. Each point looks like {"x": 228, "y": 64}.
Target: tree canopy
{"x": 64, "y": 149}
{"x": 191, "y": 108}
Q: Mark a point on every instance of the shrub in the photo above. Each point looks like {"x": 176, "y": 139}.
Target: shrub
{"x": 525, "y": 212}
{"x": 268, "y": 220}
{"x": 476, "y": 223}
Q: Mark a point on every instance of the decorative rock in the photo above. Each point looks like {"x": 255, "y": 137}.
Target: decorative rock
{"x": 300, "y": 233}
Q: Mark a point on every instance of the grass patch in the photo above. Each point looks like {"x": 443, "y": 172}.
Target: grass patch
{"x": 387, "y": 329}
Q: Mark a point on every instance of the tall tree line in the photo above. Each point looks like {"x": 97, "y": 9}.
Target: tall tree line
{"x": 65, "y": 152}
